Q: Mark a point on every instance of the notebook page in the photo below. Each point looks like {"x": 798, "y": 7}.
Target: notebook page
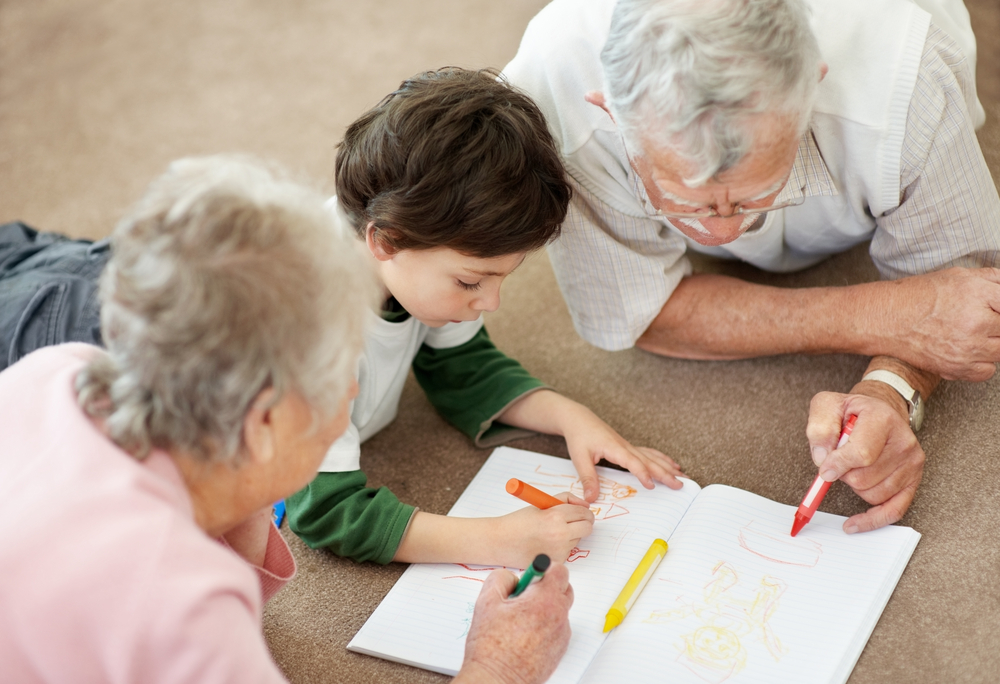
{"x": 738, "y": 600}
{"x": 425, "y": 617}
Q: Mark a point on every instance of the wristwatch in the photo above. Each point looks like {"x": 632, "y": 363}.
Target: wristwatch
{"x": 910, "y": 396}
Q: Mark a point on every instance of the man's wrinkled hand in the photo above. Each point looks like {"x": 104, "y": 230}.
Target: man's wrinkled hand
{"x": 948, "y": 322}
{"x": 882, "y": 461}
{"x": 518, "y": 640}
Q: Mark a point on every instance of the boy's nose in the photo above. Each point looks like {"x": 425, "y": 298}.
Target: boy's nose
{"x": 488, "y": 302}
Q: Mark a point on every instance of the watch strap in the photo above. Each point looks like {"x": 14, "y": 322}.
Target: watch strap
{"x": 910, "y": 395}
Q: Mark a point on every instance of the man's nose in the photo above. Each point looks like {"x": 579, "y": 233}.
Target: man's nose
{"x": 726, "y": 210}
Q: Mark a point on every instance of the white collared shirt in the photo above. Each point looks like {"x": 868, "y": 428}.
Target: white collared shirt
{"x": 617, "y": 263}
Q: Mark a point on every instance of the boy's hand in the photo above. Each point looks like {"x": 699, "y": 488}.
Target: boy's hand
{"x": 589, "y": 440}
{"x": 529, "y": 531}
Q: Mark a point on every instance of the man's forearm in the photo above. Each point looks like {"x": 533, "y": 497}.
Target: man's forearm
{"x": 946, "y": 322}
{"x": 718, "y": 317}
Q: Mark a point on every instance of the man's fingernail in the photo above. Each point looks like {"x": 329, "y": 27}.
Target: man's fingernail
{"x": 851, "y": 529}
{"x": 829, "y": 475}
{"x": 819, "y": 455}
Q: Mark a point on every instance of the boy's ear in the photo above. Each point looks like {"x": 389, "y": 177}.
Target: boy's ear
{"x": 259, "y": 428}
{"x": 376, "y": 244}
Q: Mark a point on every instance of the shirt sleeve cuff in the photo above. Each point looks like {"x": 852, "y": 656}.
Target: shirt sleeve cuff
{"x": 492, "y": 433}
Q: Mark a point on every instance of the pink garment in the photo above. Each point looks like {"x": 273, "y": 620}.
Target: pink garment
{"x": 104, "y": 576}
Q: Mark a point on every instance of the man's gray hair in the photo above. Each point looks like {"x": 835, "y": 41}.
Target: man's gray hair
{"x": 691, "y": 75}
{"x": 225, "y": 279}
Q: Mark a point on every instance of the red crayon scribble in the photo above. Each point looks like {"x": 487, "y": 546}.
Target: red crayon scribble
{"x": 485, "y": 568}
{"x": 780, "y": 548}
{"x": 576, "y": 553}
{"x": 474, "y": 579}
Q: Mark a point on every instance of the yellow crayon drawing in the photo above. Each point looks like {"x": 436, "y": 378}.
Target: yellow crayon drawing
{"x": 729, "y": 615}
{"x": 607, "y": 504}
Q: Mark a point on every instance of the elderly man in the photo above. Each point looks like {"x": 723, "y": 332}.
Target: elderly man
{"x": 780, "y": 132}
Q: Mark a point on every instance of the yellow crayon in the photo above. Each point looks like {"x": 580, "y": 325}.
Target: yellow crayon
{"x": 657, "y": 550}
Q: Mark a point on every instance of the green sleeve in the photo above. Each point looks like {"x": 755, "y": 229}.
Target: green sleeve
{"x": 337, "y": 511}
{"x": 473, "y": 383}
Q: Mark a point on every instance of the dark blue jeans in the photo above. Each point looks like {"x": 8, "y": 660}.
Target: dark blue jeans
{"x": 48, "y": 290}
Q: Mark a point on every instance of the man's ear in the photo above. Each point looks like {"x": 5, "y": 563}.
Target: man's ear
{"x": 259, "y": 427}
{"x": 596, "y": 97}
{"x": 376, "y": 245}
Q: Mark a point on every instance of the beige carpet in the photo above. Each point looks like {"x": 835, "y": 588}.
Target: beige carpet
{"x": 97, "y": 96}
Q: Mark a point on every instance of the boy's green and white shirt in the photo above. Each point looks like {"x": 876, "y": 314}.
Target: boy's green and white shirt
{"x": 390, "y": 347}
{"x": 466, "y": 378}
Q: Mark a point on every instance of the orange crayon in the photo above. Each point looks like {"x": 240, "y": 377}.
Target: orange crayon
{"x": 536, "y": 497}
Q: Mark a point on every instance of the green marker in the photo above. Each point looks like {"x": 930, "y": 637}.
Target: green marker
{"x": 535, "y": 571}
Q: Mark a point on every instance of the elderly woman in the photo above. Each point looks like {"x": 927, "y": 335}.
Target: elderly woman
{"x": 136, "y": 482}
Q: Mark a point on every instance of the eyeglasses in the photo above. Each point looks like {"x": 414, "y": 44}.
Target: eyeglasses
{"x": 738, "y": 208}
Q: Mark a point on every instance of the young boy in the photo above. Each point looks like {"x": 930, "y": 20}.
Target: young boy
{"x": 450, "y": 182}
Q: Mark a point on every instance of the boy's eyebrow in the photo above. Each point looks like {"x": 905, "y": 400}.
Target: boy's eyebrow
{"x": 495, "y": 273}
{"x": 484, "y": 273}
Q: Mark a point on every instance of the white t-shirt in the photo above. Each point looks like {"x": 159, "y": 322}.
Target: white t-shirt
{"x": 382, "y": 369}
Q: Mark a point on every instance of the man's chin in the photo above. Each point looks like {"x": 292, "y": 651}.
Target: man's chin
{"x": 704, "y": 238}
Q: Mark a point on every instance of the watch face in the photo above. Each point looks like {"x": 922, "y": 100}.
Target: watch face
{"x": 917, "y": 413}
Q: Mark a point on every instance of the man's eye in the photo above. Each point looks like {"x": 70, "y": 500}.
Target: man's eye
{"x": 469, "y": 286}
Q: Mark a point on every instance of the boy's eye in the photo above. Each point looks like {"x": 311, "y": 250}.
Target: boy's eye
{"x": 469, "y": 286}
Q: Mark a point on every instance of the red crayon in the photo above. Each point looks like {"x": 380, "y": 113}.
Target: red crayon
{"x": 536, "y": 497}
{"x": 814, "y": 497}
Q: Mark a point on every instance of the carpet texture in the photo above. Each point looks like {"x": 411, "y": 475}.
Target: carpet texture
{"x": 97, "y": 96}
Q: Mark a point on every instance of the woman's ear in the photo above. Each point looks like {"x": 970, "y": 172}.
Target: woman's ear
{"x": 596, "y": 97}
{"x": 377, "y": 244}
{"x": 259, "y": 435}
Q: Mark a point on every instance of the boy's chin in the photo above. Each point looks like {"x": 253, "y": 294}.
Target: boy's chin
{"x": 438, "y": 324}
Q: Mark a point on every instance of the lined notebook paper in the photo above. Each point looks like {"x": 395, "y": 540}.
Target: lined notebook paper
{"x": 736, "y": 598}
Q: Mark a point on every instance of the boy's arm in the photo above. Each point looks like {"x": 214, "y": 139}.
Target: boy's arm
{"x": 472, "y": 384}
{"x": 475, "y": 386}
{"x": 589, "y": 439}
{"x": 337, "y": 511}
{"x": 511, "y": 540}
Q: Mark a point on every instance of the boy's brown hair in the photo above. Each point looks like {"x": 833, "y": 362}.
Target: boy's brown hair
{"x": 454, "y": 158}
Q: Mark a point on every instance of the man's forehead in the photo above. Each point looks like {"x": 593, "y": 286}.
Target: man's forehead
{"x": 772, "y": 153}
{"x": 764, "y": 167}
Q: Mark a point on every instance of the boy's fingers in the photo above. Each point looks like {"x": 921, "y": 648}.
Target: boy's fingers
{"x": 580, "y": 529}
{"x": 575, "y": 500}
{"x": 634, "y": 460}
{"x": 663, "y": 468}
{"x": 588, "y": 478}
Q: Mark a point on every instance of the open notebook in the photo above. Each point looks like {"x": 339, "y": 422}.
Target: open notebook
{"x": 736, "y": 598}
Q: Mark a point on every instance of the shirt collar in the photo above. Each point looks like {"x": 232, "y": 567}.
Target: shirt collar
{"x": 809, "y": 177}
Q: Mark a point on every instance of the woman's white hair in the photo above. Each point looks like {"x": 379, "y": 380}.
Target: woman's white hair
{"x": 225, "y": 279}
{"x": 692, "y": 75}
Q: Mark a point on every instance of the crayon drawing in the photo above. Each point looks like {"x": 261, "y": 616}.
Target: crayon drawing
{"x": 729, "y": 615}
{"x": 470, "y": 608}
{"x": 576, "y": 553}
{"x": 607, "y": 504}
{"x": 780, "y": 548}
{"x": 483, "y": 571}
